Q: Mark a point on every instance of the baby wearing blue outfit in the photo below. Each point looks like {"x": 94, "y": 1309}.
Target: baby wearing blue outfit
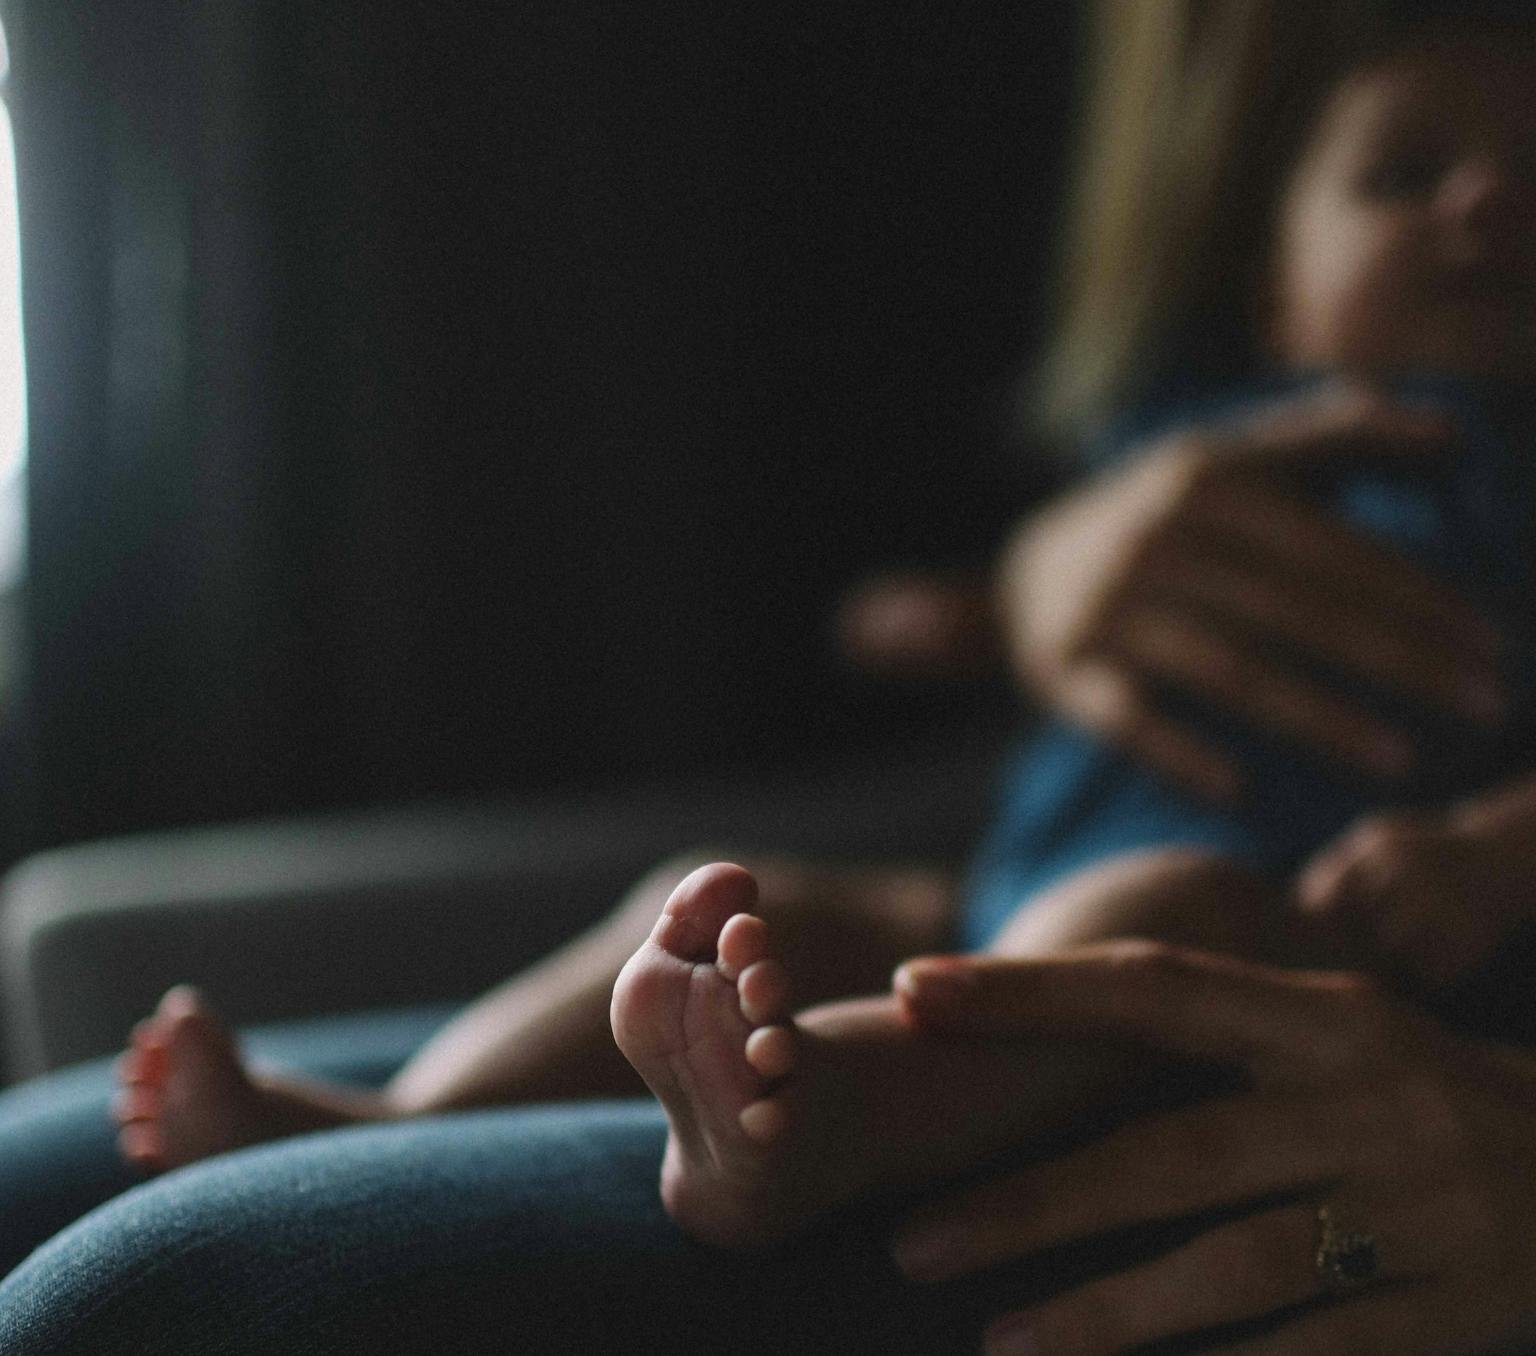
{"x": 1071, "y": 801}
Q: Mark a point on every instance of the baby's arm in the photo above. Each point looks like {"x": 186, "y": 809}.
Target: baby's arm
{"x": 1426, "y": 898}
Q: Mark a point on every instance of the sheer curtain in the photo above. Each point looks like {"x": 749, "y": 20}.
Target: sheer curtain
{"x": 139, "y": 144}
{"x": 13, "y": 412}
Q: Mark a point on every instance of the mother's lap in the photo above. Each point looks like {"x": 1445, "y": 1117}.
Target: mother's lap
{"x": 537, "y": 1229}
{"x": 504, "y": 1230}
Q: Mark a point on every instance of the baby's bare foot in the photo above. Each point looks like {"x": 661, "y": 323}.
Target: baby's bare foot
{"x": 186, "y": 1094}
{"x": 700, "y": 1011}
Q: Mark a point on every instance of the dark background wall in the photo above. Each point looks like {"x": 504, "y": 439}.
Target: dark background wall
{"x": 452, "y": 399}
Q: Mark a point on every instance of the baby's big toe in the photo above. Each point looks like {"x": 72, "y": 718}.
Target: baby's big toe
{"x": 142, "y": 1145}
{"x": 691, "y": 922}
{"x": 181, "y": 1001}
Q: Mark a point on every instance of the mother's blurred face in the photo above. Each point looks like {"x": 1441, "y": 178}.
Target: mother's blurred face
{"x": 1406, "y": 237}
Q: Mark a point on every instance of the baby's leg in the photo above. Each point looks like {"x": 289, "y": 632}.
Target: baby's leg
{"x": 774, "y": 1120}
{"x": 545, "y": 1035}
{"x": 187, "y": 1093}
{"x": 1183, "y": 896}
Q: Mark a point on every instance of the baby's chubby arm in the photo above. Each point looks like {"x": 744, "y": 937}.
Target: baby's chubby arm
{"x": 1427, "y": 896}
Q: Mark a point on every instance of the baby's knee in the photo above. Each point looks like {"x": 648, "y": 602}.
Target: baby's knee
{"x": 1195, "y": 898}
{"x": 1182, "y": 896}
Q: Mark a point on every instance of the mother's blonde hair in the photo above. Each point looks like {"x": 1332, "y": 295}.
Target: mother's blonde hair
{"x": 1196, "y": 110}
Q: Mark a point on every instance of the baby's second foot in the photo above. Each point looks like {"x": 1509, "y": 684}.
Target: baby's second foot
{"x": 700, "y": 1011}
{"x": 186, "y": 1094}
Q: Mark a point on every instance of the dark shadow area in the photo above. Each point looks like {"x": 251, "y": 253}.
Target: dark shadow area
{"x": 461, "y": 400}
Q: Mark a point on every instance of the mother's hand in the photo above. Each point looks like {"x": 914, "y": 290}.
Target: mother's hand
{"x": 1195, "y": 565}
{"x": 1420, "y": 1142}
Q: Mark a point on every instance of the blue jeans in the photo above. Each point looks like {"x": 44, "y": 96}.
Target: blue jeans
{"x": 535, "y": 1230}
{"x": 58, "y": 1149}
{"x": 521, "y": 1230}
{"x": 538, "y": 1230}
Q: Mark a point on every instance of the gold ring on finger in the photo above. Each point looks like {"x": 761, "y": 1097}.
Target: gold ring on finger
{"x": 1345, "y": 1260}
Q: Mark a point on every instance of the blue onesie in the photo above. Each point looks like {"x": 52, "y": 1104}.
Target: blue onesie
{"x": 1070, "y": 800}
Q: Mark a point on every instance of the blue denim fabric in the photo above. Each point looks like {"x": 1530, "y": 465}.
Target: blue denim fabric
{"x": 58, "y": 1153}
{"x": 493, "y": 1232}
{"x": 536, "y": 1230}
{"x": 58, "y": 1156}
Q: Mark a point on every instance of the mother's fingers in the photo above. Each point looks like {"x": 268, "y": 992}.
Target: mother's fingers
{"x": 1335, "y": 618}
{"x": 1244, "y": 1270}
{"x": 1198, "y": 1158}
{"x": 1223, "y": 473}
{"x": 1112, "y": 702}
{"x": 1345, "y": 417}
{"x": 1315, "y": 548}
{"x": 1171, "y": 644}
{"x": 1181, "y": 1001}
{"x": 1412, "y": 1320}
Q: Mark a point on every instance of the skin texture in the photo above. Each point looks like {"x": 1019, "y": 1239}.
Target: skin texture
{"x": 1406, "y": 241}
{"x": 1349, "y": 1100}
{"x": 1424, "y": 899}
{"x": 1193, "y": 566}
{"x": 1405, "y": 238}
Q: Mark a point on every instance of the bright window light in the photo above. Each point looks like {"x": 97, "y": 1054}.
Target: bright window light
{"x": 13, "y": 390}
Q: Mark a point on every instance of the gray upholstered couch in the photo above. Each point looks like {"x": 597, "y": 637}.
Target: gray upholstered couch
{"x": 308, "y": 917}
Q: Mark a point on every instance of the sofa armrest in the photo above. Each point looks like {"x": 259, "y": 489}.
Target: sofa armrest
{"x": 331, "y": 914}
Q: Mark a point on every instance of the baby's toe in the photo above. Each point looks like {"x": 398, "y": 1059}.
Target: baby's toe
{"x": 144, "y": 1062}
{"x": 764, "y": 1120}
{"x": 150, "y": 1035}
{"x": 181, "y": 1000}
{"x": 136, "y": 1103}
{"x": 142, "y": 1144}
{"x": 133, "y": 1066}
{"x": 692, "y": 918}
{"x": 763, "y": 992}
{"x": 771, "y": 1051}
{"x": 743, "y": 942}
